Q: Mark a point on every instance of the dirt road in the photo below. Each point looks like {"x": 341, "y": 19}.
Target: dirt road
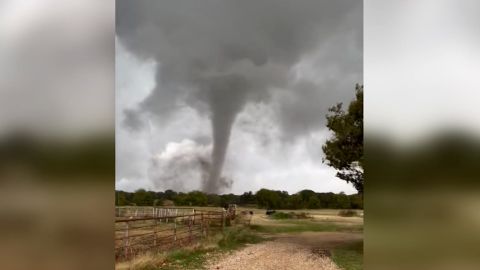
{"x": 275, "y": 256}
{"x": 308, "y": 250}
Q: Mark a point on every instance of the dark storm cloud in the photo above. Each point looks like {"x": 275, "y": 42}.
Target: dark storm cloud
{"x": 131, "y": 120}
{"x": 217, "y": 56}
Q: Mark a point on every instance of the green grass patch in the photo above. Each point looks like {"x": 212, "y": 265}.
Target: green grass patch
{"x": 237, "y": 237}
{"x": 232, "y": 238}
{"x": 187, "y": 259}
{"x": 349, "y": 257}
{"x": 294, "y": 228}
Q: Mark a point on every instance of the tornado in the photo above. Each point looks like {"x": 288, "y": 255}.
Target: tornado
{"x": 226, "y": 96}
{"x": 217, "y": 56}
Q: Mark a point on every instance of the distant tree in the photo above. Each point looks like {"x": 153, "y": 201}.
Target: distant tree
{"x": 160, "y": 196}
{"x": 313, "y": 202}
{"x": 269, "y": 198}
{"x": 121, "y": 198}
{"x": 264, "y": 198}
{"x": 180, "y": 198}
{"x": 170, "y": 194}
{"x": 295, "y": 202}
{"x": 227, "y": 199}
{"x": 213, "y": 200}
{"x": 306, "y": 194}
{"x": 343, "y": 201}
{"x": 247, "y": 198}
{"x": 197, "y": 198}
{"x": 356, "y": 201}
{"x": 344, "y": 151}
{"x": 143, "y": 198}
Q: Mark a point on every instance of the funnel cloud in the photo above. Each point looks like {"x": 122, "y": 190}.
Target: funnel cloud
{"x": 219, "y": 58}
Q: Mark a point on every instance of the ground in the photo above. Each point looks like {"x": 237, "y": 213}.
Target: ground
{"x": 322, "y": 241}
{"x": 297, "y": 249}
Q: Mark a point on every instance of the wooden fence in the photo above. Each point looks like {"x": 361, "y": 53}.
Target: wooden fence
{"x": 162, "y": 229}
{"x": 148, "y": 211}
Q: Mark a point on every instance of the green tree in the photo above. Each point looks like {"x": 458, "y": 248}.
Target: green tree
{"x": 180, "y": 198}
{"x": 143, "y": 198}
{"x": 343, "y": 201}
{"x": 121, "y": 198}
{"x": 268, "y": 198}
{"x": 197, "y": 198}
{"x": 295, "y": 201}
{"x": 356, "y": 201}
{"x": 313, "y": 202}
{"x": 247, "y": 198}
{"x": 306, "y": 194}
{"x": 214, "y": 200}
{"x": 227, "y": 199}
{"x": 170, "y": 194}
{"x": 344, "y": 151}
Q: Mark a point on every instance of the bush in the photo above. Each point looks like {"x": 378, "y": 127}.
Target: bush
{"x": 347, "y": 213}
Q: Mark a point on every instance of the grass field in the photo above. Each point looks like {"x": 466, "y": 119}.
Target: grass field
{"x": 341, "y": 236}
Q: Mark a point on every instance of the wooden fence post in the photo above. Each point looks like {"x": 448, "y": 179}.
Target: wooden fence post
{"x": 194, "y": 216}
{"x": 202, "y": 226}
{"x": 175, "y": 230}
{"x": 208, "y": 226}
{"x": 190, "y": 230}
{"x": 223, "y": 219}
{"x": 126, "y": 242}
{"x": 155, "y": 228}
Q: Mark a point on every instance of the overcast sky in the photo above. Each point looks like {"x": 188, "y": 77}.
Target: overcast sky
{"x": 432, "y": 51}
{"x": 56, "y": 70}
{"x": 249, "y": 80}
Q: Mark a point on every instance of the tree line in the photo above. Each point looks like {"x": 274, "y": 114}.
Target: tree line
{"x": 264, "y": 198}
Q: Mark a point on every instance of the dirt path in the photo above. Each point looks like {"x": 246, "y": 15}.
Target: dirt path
{"x": 275, "y": 256}
{"x": 308, "y": 250}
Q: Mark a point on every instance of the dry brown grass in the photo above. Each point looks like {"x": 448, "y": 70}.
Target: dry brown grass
{"x": 150, "y": 260}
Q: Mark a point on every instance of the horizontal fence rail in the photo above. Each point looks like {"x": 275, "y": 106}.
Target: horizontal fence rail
{"x": 146, "y": 211}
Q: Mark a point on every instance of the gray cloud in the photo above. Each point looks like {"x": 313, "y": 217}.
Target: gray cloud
{"x": 56, "y": 70}
{"x": 132, "y": 120}
{"x": 217, "y": 56}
